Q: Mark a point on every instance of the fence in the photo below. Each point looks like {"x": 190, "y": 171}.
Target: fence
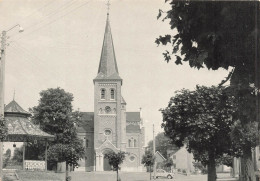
{"x": 34, "y": 165}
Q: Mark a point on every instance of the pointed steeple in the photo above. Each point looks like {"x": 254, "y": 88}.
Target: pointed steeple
{"x": 107, "y": 65}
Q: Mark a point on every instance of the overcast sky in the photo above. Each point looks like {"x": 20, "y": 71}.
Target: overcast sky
{"x": 61, "y": 46}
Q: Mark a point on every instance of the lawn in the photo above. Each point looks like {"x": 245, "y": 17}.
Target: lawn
{"x": 38, "y": 175}
{"x": 103, "y": 176}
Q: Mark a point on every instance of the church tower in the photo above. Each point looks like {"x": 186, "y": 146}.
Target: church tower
{"x": 109, "y": 106}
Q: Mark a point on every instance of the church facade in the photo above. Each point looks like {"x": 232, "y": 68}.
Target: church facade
{"x": 110, "y": 128}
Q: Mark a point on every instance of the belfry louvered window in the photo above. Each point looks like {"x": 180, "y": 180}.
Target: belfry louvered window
{"x": 103, "y": 94}
{"x": 86, "y": 143}
{"x": 112, "y": 94}
{"x": 129, "y": 143}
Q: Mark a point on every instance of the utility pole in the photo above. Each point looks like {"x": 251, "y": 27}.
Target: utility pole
{"x": 2, "y": 90}
{"x": 154, "y": 165}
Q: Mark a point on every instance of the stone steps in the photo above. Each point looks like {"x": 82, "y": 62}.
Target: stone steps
{"x": 10, "y": 175}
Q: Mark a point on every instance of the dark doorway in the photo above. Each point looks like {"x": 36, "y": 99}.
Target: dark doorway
{"x": 106, "y": 165}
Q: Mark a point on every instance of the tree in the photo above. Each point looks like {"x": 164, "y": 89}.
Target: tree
{"x": 115, "y": 159}
{"x": 199, "y": 166}
{"x": 162, "y": 144}
{"x": 148, "y": 161}
{"x": 3, "y": 129}
{"x": 6, "y": 157}
{"x": 35, "y": 150}
{"x": 54, "y": 115}
{"x": 222, "y": 35}
{"x": 202, "y": 121}
{"x": 18, "y": 155}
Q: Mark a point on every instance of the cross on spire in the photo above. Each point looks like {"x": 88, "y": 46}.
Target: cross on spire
{"x": 108, "y": 4}
{"x": 14, "y": 95}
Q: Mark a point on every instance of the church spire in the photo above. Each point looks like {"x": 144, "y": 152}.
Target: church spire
{"x": 107, "y": 65}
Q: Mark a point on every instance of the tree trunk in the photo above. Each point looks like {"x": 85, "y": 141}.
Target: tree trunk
{"x": 247, "y": 166}
{"x": 150, "y": 173}
{"x": 212, "y": 175}
{"x": 67, "y": 171}
{"x": 117, "y": 175}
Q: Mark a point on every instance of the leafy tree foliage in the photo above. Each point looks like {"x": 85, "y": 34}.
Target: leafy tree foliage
{"x": 18, "y": 155}
{"x": 148, "y": 161}
{"x": 115, "y": 159}
{"x": 202, "y": 121}
{"x": 199, "y": 166}
{"x": 3, "y": 129}
{"x": 35, "y": 150}
{"x": 207, "y": 33}
{"x": 226, "y": 160}
{"x": 54, "y": 115}
{"x": 221, "y": 35}
{"x": 6, "y": 157}
{"x": 162, "y": 144}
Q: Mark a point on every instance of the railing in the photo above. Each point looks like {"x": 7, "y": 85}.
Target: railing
{"x": 34, "y": 165}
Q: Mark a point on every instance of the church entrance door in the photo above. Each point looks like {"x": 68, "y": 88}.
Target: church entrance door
{"x": 106, "y": 165}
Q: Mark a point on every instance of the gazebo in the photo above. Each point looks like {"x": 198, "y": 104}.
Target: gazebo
{"x": 21, "y": 129}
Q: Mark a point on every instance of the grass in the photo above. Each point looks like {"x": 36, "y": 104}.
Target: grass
{"x": 37, "y": 176}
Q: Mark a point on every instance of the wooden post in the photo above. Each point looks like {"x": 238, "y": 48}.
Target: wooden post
{"x": 23, "y": 155}
{"x": 46, "y": 156}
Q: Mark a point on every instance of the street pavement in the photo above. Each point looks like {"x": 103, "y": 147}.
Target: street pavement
{"x": 136, "y": 176}
{"x": 127, "y": 176}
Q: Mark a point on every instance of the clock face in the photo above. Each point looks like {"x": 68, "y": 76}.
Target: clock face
{"x": 107, "y": 109}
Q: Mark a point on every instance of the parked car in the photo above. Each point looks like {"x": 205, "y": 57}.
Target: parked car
{"x": 163, "y": 173}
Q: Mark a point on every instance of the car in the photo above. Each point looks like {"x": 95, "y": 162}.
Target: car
{"x": 163, "y": 173}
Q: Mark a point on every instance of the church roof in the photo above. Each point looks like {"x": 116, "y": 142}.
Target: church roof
{"x": 107, "y": 65}
{"x": 133, "y": 117}
{"x": 14, "y": 108}
{"x": 133, "y": 122}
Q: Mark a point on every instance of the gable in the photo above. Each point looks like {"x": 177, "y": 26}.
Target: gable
{"x": 107, "y": 145}
{"x": 159, "y": 157}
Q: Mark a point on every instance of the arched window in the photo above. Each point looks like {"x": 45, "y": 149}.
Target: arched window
{"x": 86, "y": 143}
{"x": 103, "y": 94}
{"x": 112, "y": 94}
{"x": 135, "y": 145}
{"x": 129, "y": 143}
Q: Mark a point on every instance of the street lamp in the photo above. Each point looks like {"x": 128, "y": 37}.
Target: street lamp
{"x": 2, "y": 84}
{"x": 20, "y": 28}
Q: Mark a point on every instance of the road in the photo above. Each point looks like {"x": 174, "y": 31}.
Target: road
{"x": 126, "y": 176}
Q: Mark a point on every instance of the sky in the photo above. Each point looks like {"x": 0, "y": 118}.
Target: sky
{"x": 61, "y": 47}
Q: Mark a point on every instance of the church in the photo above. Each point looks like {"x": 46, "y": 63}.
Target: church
{"x": 110, "y": 128}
